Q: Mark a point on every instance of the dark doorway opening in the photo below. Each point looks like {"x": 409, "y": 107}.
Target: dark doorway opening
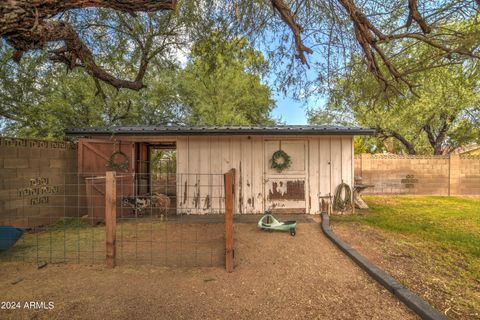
{"x": 163, "y": 169}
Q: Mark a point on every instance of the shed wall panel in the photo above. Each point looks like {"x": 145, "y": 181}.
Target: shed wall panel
{"x": 202, "y": 161}
{"x": 347, "y": 160}
{"x": 257, "y": 174}
{"x": 336, "y": 163}
{"x": 246, "y": 158}
{"x": 324, "y": 166}
{"x": 215, "y": 189}
{"x": 226, "y": 162}
{"x": 204, "y": 178}
{"x": 314, "y": 175}
{"x": 182, "y": 169}
{"x": 193, "y": 200}
{"x": 235, "y": 161}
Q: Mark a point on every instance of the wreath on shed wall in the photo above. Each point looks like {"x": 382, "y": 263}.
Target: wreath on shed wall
{"x": 280, "y": 161}
{"x": 118, "y": 161}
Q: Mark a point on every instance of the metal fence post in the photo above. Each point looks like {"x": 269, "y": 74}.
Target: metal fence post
{"x": 229, "y": 179}
{"x": 110, "y": 217}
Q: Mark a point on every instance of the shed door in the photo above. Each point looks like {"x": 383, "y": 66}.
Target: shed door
{"x": 285, "y": 191}
{"x": 94, "y": 156}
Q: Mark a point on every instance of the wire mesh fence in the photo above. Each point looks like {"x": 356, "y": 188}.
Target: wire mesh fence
{"x": 153, "y": 227}
{"x": 158, "y": 220}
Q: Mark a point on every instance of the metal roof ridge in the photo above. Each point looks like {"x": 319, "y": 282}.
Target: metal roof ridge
{"x": 222, "y": 130}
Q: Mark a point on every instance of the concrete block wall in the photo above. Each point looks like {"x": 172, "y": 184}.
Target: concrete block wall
{"x": 419, "y": 175}
{"x": 469, "y": 175}
{"x": 38, "y": 181}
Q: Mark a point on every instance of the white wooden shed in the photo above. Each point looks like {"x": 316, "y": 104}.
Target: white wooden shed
{"x": 321, "y": 157}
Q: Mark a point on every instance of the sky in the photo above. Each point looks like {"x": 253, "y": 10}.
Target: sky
{"x": 289, "y": 110}
{"x": 293, "y": 111}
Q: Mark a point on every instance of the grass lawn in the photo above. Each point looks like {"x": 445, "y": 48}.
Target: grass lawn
{"x": 439, "y": 235}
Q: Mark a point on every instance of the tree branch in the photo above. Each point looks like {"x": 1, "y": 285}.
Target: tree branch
{"x": 415, "y": 15}
{"x": 26, "y": 26}
{"x": 393, "y": 134}
{"x": 288, "y": 17}
{"x": 370, "y": 39}
{"x": 21, "y": 15}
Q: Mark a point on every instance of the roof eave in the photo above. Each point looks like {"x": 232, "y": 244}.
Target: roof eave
{"x": 356, "y": 132}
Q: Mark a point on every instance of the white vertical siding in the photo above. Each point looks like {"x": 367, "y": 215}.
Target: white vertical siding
{"x": 204, "y": 177}
{"x": 335, "y": 162}
{"x": 347, "y": 160}
{"x": 324, "y": 166}
{"x": 225, "y": 152}
{"x": 193, "y": 177}
{"x": 235, "y": 161}
{"x": 216, "y": 181}
{"x": 202, "y": 160}
{"x": 314, "y": 174}
{"x": 247, "y": 170}
{"x": 182, "y": 168}
{"x": 257, "y": 174}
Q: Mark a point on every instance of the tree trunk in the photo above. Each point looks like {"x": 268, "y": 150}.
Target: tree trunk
{"x": 437, "y": 141}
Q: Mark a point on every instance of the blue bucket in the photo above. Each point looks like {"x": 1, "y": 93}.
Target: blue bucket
{"x": 8, "y": 236}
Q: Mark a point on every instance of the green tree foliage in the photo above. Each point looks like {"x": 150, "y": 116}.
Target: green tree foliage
{"x": 323, "y": 34}
{"x": 45, "y": 105}
{"x": 441, "y": 113}
{"x": 222, "y": 83}
{"x": 41, "y": 99}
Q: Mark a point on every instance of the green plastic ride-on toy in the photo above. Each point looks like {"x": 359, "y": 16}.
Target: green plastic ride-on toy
{"x": 269, "y": 223}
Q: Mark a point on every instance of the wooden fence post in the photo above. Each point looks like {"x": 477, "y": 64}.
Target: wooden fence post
{"x": 229, "y": 179}
{"x": 110, "y": 216}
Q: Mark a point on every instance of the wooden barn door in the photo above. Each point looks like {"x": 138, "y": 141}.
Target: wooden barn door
{"x": 285, "y": 191}
{"x": 94, "y": 157}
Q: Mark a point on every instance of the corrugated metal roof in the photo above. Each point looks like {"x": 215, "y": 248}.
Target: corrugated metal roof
{"x": 222, "y": 130}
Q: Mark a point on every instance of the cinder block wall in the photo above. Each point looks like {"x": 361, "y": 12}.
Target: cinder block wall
{"x": 38, "y": 182}
{"x": 419, "y": 175}
{"x": 469, "y": 175}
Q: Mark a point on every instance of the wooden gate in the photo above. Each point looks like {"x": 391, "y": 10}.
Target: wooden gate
{"x": 286, "y": 190}
{"x": 95, "y": 158}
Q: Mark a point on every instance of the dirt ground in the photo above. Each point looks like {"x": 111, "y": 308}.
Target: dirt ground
{"x": 422, "y": 269}
{"x": 176, "y": 243}
{"x": 277, "y": 276}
